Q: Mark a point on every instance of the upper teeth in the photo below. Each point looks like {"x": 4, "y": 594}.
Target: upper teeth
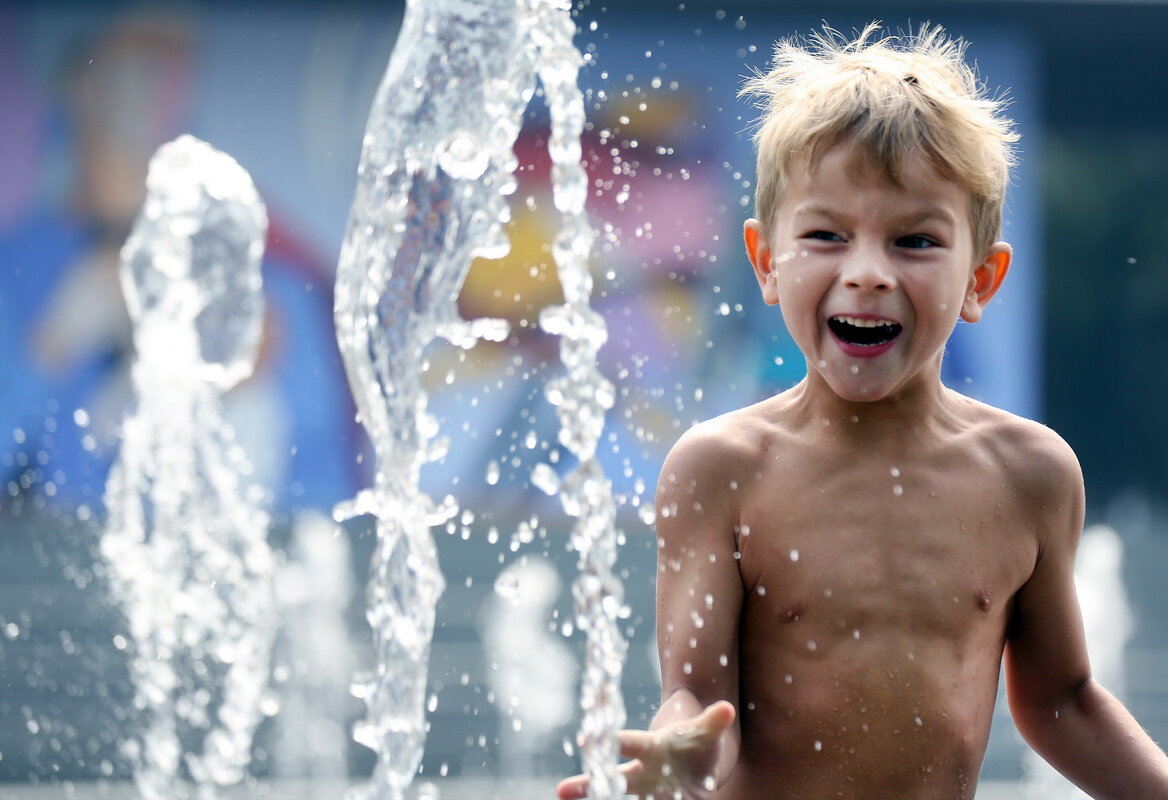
{"x": 864, "y": 323}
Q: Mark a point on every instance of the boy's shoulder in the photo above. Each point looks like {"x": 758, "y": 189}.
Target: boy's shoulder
{"x": 1020, "y": 434}
{"x": 725, "y": 443}
{"x": 1028, "y": 453}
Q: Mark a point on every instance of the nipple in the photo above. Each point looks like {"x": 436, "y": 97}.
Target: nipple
{"x": 983, "y": 600}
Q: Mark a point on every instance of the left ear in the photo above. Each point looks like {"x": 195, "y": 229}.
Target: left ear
{"x": 985, "y": 281}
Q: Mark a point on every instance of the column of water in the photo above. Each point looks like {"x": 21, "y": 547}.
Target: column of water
{"x": 185, "y": 543}
{"x": 435, "y": 165}
{"x": 582, "y": 396}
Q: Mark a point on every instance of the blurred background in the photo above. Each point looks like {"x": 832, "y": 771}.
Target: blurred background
{"x": 89, "y": 91}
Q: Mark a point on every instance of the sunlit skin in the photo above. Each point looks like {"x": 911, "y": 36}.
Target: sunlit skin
{"x": 841, "y": 567}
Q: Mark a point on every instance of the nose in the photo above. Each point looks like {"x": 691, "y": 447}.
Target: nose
{"x": 868, "y": 271}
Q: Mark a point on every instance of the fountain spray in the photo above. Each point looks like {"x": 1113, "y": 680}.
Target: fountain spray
{"x": 435, "y": 167}
{"x": 186, "y": 542}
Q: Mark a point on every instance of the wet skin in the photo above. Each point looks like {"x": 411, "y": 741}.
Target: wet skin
{"x": 843, "y": 566}
{"x": 868, "y": 531}
{"x": 866, "y": 613}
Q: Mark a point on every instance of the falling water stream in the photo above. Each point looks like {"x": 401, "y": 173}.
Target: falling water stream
{"x": 435, "y": 168}
{"x": 185, "y": 542}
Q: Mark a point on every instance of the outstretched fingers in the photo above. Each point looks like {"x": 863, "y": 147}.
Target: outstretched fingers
{"x": 717, "y": 717}
{"x": 576, "y": 787}
{"x": 669, "y": 759}
{"x": 633, "y": 744}
{"x": 637, "y": 744}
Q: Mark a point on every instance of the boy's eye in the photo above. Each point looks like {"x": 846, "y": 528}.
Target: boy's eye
{"x": 824, "y": 236}
{"x": 915, "y": 241}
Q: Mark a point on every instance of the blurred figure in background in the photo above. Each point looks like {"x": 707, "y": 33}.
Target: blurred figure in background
{"x": 125, "y": 92}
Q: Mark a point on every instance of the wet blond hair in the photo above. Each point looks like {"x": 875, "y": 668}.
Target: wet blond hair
{"x": 893, "y": 99}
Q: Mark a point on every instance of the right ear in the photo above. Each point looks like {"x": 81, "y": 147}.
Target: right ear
{"x": 759, "y": 253}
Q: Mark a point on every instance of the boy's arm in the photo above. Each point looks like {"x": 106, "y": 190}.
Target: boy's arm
{"x": 692, "y": 744}
{"x": 1062, "y": 712}
{"x": 699, "y": 586}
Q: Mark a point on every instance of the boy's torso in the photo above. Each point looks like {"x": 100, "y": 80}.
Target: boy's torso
{"x": 879, "y": 577}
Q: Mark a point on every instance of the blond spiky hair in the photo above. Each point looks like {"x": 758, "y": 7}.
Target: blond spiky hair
{"x": 893, "y": 99}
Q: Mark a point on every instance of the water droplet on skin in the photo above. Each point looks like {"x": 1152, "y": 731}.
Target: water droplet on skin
{"x": 918, "y": 721}
{"x": 723, "y": 659}
{"x": 898, "y": 490}
{"x": 894, "y": 472}
{"x": 794, "y": 555}
{"x": 687, "y": 668}
{"x": 812, "y": 646}
{"x": 761, "y": 591}
{"x": 856, "y": 633}
{"x": 818, "y": 745}
{"x": 709, "y": 783}
{"x": 854, "y": 369}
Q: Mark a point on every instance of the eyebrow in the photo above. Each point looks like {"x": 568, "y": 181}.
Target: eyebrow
{"x": 918, "y": 216}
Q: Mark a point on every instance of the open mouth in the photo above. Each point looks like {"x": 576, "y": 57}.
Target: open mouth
{"x": 863, "y": 332}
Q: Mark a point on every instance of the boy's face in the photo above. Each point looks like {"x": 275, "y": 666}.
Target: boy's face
{"x": 872, "y": 276}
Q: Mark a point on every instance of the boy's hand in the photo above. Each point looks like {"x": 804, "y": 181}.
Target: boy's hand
{"x": 674, "y": 762}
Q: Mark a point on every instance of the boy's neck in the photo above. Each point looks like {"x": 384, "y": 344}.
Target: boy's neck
{"x": 911, "y": 409}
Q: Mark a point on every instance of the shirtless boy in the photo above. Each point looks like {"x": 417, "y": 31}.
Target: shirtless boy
{"x": 843, "y": 567}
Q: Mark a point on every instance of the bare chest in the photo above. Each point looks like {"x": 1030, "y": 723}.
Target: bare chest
{"x": 897, "y": 544}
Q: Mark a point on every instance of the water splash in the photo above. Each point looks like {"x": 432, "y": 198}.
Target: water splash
{"x": 582, "y": 396}
{"x": 535, "y": 695}
{"x": 436, "y": 164}
{"x": 185, "y": 543}
{"x": 314, "y": 587}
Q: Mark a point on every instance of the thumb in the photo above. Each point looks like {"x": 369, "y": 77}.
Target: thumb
{"x": 716, "y": 717}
